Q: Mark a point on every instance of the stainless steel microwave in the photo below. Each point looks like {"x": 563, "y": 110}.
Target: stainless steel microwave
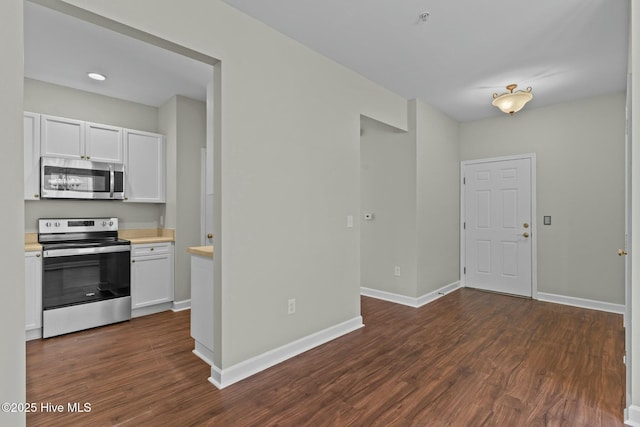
{"x": 80, "y": 179}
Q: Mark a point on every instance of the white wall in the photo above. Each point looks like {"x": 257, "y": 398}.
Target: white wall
{"x": 438, "y": 199}
{"x": 580, "y": 182}
{"x": 388, "y": 190}
{"x": 183, "y": 121}
{"x": 411, "y": 182}
{"x": 47, "y": 98}
{"x": 289, "y": 170}
{"x": 12, "y": 351}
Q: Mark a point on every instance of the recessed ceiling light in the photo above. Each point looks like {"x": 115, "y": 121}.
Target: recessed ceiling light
{"x": 97, "y": 76}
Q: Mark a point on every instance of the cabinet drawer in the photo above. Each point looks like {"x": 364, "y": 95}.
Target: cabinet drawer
{"x": 150, "y": 249}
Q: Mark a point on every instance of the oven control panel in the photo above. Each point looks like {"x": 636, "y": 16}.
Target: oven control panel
{"x": 77, "y": 225}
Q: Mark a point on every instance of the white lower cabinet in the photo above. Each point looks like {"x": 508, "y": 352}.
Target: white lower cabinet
{"x": 202, "y": 306}
{"x": 151, "y": 278}
{"x": 33, "y": 294}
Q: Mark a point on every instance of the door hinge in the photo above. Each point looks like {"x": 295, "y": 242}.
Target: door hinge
{"x": 464, "y": 270}
{"x": 464, "y": 225}
{"x": 464, "y": 181}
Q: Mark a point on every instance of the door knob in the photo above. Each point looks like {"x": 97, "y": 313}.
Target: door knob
{"x": 209, "y": 236}
{"x": 525, "y": 234}
{"x": 525, "y": 225}
{"x": 621, "y": 252}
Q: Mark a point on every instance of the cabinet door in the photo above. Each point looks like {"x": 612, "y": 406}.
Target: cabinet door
{"x": 33, "y": 290}
{"x": 31, "y": 156}
{"x": 151, "y": 280}
{"x": 144, "y": 167}
{"x": 62, "y": 137}
{"x": 103, "y": 143}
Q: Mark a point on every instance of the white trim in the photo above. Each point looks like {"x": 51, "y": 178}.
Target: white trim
{"x": 410, "y": 301}
{"x": 150, "y": 309}
{"x": 222, "y": 378}
{"x": 33, "y": 334}
{"x": 534, "y": 216}
{"x": 181, "y": 305}
{"x": 582, "y": 303}
{"x": 388, "y": 296}
{"x": 203, "y": 353}
{"x": 632, "y": 416}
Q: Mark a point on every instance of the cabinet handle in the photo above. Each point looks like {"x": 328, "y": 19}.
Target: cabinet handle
{"x": 133, "y": 260}
{"x": 209, "y": 236}
{"x": 36, "y": 195}
{"x": 151, "y": 249}
{"x": 38, "y": 255}
{"x": 126, "y": 198}
{"x": 88, "y": 157}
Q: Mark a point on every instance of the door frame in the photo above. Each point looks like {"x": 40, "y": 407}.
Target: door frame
{"x": 534, "y": 224}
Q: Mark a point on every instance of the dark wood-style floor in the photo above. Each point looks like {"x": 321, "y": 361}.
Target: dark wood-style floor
{"x": 468, "y": 359}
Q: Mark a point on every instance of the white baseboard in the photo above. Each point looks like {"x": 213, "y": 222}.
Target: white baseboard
{"x": 33, "y": 334}
{"x": 432, "y": 296}
{"x": 181, "y": 305}
{"x": 222, "y": 378}
{"x": 203, "y": 353}
{"x": 632, "y": 416}
{"x": 151, "y": 309}
{"x": 582, "y": 303}
{"x": 410, "y": 301}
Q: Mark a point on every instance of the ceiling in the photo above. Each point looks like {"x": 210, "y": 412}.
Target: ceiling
{"x": 454, "y": 60}
{"x": 466, "y": 49}
{"x": 61, "y": 49}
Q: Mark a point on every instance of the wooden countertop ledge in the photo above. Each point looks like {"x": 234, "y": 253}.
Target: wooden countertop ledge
{"x": 148, "y": 235}
{"x": 206, "y": 251}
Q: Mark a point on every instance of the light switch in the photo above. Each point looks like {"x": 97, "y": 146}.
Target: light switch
{"x": 349, "y": 221}
{"x": 547, "y": 220}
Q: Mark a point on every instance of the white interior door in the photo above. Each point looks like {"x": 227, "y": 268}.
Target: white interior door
{"x": 498, "y": 227}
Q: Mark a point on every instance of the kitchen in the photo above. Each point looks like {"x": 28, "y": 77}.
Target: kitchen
{"x": 157, "y": 115}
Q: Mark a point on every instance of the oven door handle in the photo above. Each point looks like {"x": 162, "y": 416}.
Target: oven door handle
{"x": 52, "y": 253}
{"x": 112, "y": 179}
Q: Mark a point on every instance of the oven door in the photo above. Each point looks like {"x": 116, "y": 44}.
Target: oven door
{"x": 74, "y": 276}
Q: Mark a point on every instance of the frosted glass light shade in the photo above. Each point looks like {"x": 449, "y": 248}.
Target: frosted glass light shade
{"x": 512, "y": 102}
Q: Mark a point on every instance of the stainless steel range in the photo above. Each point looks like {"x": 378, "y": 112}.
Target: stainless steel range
{"x": 86, "y": 274}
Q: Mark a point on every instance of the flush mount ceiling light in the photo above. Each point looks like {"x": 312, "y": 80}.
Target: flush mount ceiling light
{"x": 97, "y": 76}
{"x": 512, "y": 102}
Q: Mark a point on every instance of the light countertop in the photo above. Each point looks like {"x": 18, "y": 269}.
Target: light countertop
{"x": 31, "y": 242}
{"x": 206, "y": 251}
{"x": 148, "y": 235}
{"x": 135, "y": 236}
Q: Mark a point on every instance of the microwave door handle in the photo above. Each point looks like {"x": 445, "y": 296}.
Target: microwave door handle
{"x": 112, "y": 178}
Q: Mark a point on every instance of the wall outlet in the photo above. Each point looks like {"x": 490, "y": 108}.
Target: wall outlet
{"x": 396, "y": 271}
{"x": 291, "y": 306}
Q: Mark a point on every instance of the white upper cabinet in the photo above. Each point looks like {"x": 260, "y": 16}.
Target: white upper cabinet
{"x": 76, "y": 139}
{"x": 31, "y": 156}
{"x": 62, "y": 137}
{"x": 144, "y": 167}
{"x": 104, "y": 143}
